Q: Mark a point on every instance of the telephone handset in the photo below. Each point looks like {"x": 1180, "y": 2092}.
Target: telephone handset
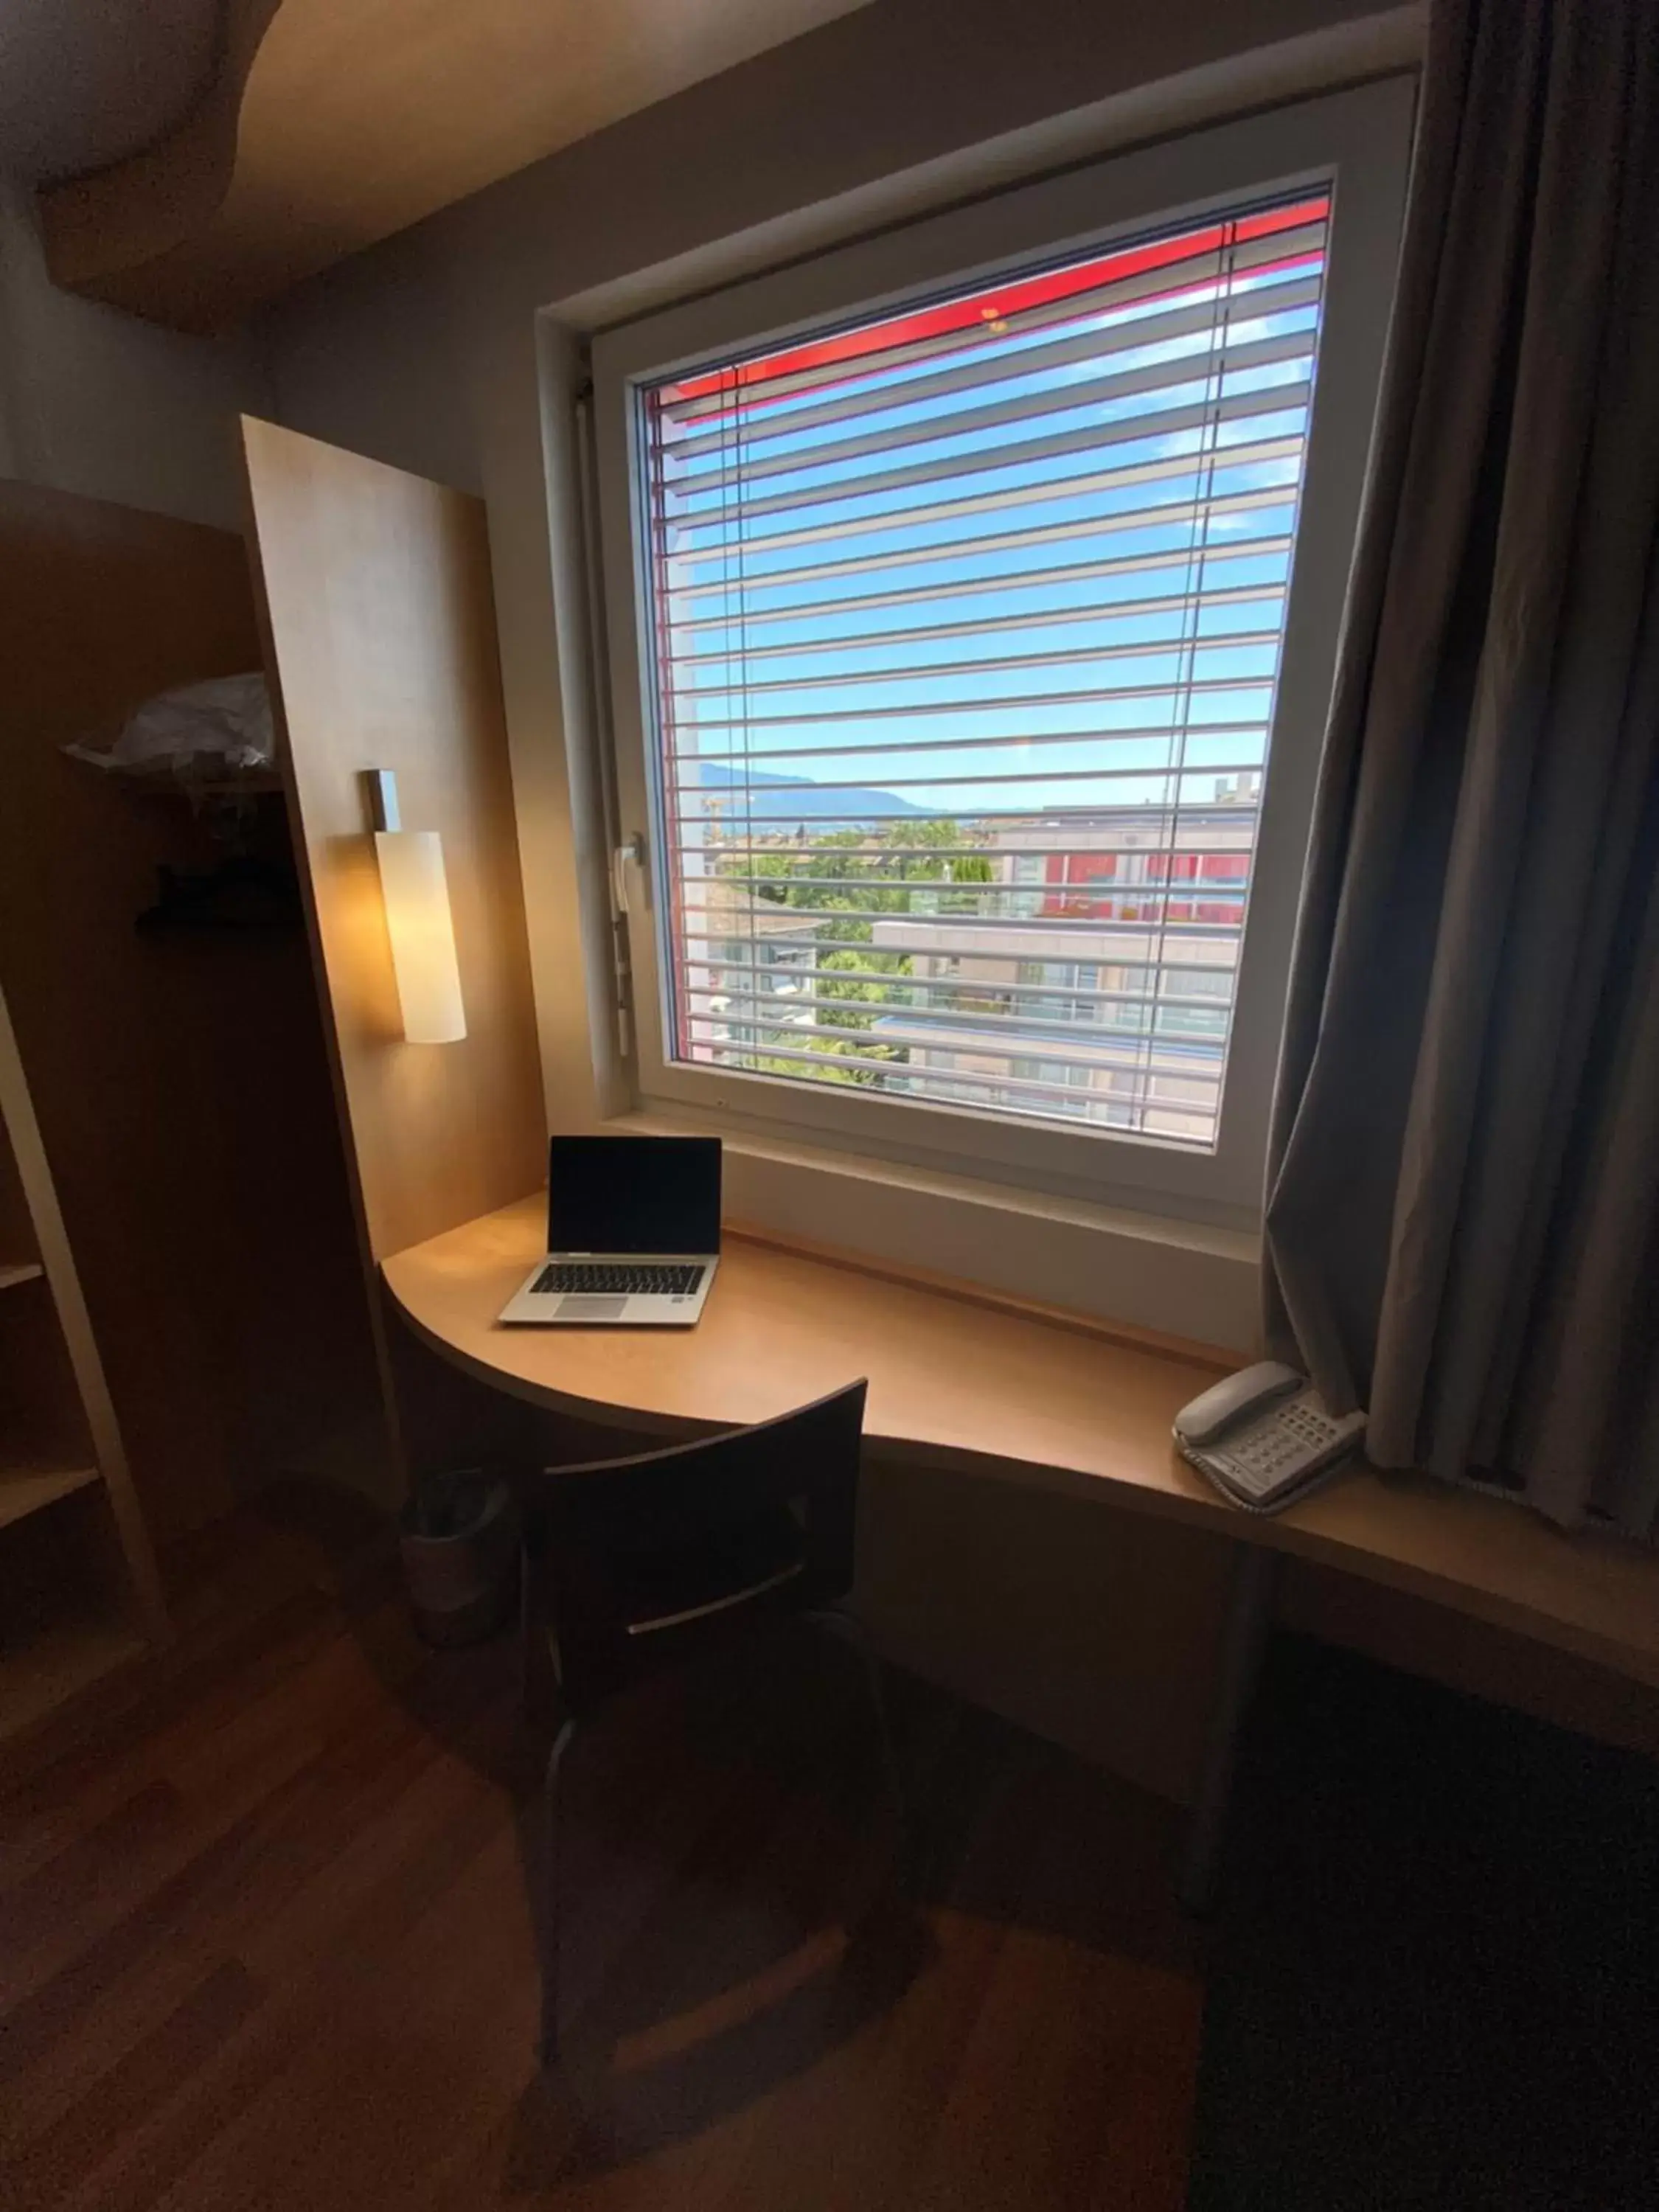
{"x": 1263, "y": 1437}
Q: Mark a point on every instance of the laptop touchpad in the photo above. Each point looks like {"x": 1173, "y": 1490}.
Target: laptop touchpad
{"x": 579, "y": 1305}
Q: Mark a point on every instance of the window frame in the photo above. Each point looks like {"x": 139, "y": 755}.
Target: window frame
{"x": 1356, "y": 144}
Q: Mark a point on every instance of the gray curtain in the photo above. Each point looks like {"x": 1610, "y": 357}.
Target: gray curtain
{"x": 1463, "y": 1182}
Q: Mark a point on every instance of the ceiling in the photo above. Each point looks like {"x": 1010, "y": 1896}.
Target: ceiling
{"x": 85, "y": 82}
{"x": 321, "y": 126}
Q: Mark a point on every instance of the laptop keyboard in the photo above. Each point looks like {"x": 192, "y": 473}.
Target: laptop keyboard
{"x": 610, "y": 1278}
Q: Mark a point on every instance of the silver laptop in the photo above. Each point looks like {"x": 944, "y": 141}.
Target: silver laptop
{"x": 633, "y": 1234}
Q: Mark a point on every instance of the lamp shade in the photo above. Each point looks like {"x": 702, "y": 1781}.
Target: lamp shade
{"x": 423, "y": 934}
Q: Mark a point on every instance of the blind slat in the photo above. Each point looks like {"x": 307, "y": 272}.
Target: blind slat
{"x": 1188, "y": 1058}
{"x": 1153, "y": 904}
{"x": 1134, "y": 648}
{"x": 1197, "y": 686}
{"x": 936, "y": 986}
{"x": 1149, "y": 382}
{"x": 1168, "y": 423}
{"x": 1063, "y": 930}
{"x": 1295, "y": 246}
{"x": 1167, "y": 514}
{"x": 888, "y": 932}
{"x": 1162, "y": 823}
{"x": 1257, "y": 454}
{"x": 886, "y": 748}
{"x": 985, "y": 781}
{"x": 775, "y": 1010}
{"x": 782, "y": 826}
{"x": 1201, "y": 597}
{"x": 1178, "y": 967}
{"x": 1286, "y": 294}
{"x": 1103, "y": 887}
{"x": 737, "y": 1056}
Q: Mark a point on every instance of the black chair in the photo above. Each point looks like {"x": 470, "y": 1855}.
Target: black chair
{"x": 635, "y": 1565}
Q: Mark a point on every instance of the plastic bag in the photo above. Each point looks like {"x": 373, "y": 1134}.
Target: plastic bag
{"x": 220, "y": 728}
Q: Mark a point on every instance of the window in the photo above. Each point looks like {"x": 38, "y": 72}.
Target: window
{"x": 965, "y": 629}
{"x": 984, "y": 593}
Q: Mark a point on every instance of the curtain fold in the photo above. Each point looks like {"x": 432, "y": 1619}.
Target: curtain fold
{"x": 1463, "y": 1178}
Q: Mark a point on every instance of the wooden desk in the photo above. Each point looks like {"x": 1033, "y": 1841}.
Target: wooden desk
{"x": 997, "y": 1391}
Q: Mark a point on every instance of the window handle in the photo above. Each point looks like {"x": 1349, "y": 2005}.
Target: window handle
{"x": 630, "y": 853}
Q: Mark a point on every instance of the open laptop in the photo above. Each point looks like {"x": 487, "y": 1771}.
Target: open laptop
{"x": 633, "y": 1233}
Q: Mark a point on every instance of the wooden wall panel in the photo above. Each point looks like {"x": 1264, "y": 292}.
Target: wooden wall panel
{"x": 377, "y": 597}
{"x": 180, "y": 1080}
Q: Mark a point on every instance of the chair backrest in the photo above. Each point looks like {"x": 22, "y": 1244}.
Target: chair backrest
{"x": 767, "y": 1513}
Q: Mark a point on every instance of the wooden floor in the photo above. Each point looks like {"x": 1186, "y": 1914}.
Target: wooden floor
{"x": 265, "y": 1940}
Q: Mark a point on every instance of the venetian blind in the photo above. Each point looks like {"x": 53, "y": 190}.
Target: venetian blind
{"x": 964, "y": 629}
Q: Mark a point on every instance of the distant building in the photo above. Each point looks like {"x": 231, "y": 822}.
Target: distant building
{"x": 1090, "y": 979}
{"x": 1115, "y": 1013}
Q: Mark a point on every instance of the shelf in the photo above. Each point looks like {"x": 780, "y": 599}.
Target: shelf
{"x": 13, "y": 1271}
{"x": 57, "y": 1661}
{"x": 25, "y": 1490}
{"x": 65, "y": 1619}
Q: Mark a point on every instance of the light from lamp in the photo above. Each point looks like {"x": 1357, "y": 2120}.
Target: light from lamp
{"x": 423, "y": 934}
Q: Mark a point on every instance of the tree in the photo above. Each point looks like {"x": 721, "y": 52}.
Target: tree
{"x": 848, "y": 878}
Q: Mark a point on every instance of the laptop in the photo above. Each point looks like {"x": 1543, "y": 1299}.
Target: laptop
{"x": 633, "y": 1234}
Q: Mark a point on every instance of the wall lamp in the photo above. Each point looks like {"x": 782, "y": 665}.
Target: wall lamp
{"x": 418, "y": 922}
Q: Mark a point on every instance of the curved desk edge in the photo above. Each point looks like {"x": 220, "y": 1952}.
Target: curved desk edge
{"x": 964, "y": 1380}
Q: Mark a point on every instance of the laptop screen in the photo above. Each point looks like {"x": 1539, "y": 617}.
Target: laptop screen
{"x": 634, "y": 1195}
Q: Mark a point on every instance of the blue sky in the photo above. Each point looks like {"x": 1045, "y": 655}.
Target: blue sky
{"x": 807, "y": 693}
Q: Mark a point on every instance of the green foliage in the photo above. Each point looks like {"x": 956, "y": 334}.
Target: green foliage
{"x": 864, "y": 1070}
{"x": 846, "y": 880}
{"x": 847, "y": 870}
{"x": 855, "y": 991}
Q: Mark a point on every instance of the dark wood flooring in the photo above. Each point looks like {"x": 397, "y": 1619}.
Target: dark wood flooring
{"x": 265, "y": 1942}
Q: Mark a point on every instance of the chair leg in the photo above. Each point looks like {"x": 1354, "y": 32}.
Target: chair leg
{"x": 849, "y": 1625}
{"x": 549, "y": 2045}
{"x": 526, "y": 1687}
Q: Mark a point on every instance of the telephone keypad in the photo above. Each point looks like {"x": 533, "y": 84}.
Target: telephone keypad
{"x": 1289, "y": 1439}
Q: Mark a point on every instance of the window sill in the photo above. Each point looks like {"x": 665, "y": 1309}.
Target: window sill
{"x": 1180, "y": 1279}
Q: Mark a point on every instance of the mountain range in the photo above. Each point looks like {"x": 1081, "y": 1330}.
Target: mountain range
{"x": 779, "y": 799}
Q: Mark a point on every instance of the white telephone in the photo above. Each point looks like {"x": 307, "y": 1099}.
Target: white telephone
{"x": 1263, "y": 1437}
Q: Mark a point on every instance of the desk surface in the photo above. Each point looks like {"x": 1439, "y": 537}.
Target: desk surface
{"x": 1003, "y": 1393}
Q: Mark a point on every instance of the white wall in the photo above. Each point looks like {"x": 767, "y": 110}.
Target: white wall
{"x": 424, "y": 351}
{"x": 96, "y": 402}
